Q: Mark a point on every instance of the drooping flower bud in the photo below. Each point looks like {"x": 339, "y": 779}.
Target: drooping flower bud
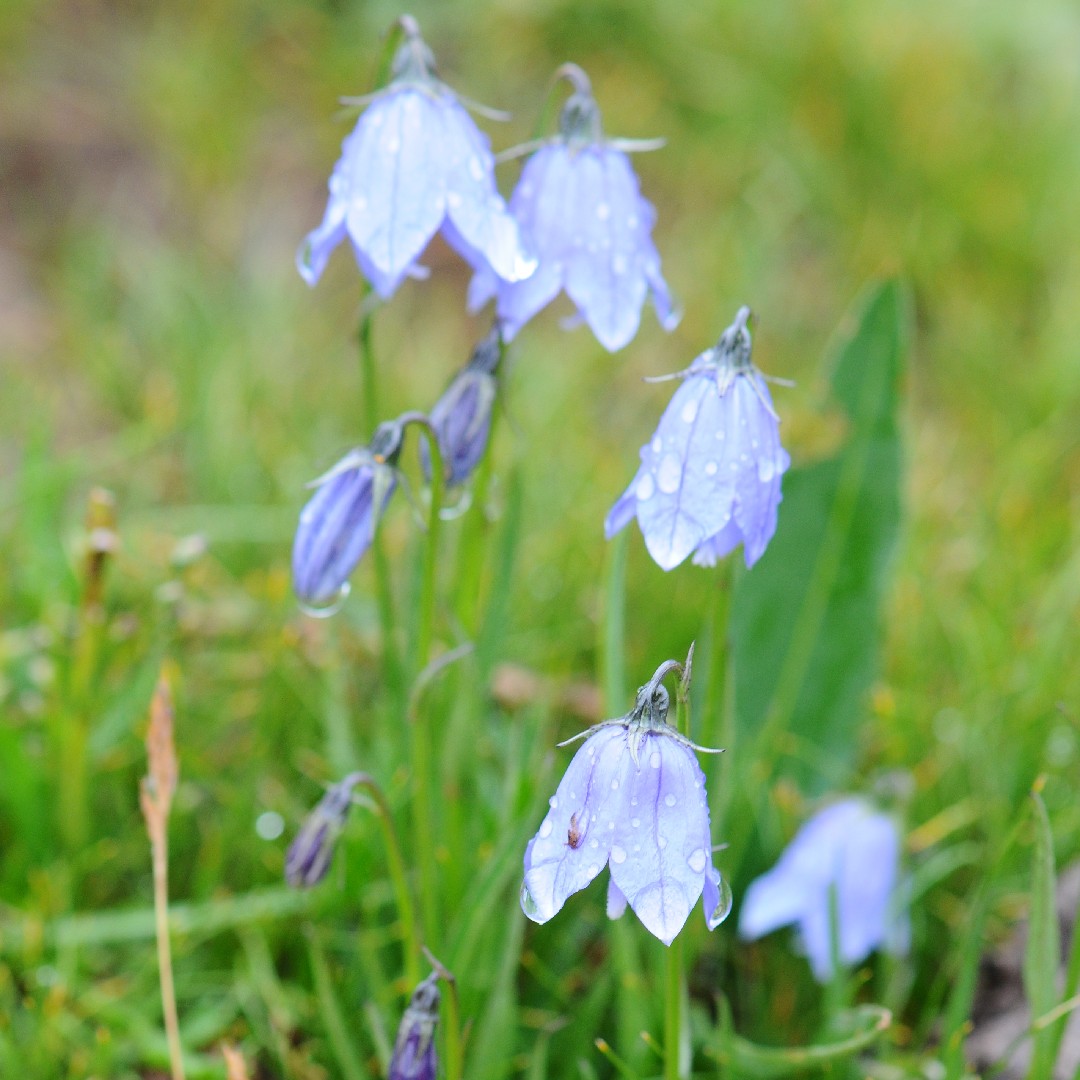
{"x": 308, "y": 858}
{"x": 414, "y": 1055}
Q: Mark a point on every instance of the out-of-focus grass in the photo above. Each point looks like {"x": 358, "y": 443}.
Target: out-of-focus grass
{"x": 160, "y": 165}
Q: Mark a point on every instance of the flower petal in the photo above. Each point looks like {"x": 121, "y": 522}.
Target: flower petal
{"x": 480, "y": 218}
{"x": 395, "y": 178}
{"x": 662, "y": 844}
{"x": 690, "y": 496}
{"x": 574, "y": 839}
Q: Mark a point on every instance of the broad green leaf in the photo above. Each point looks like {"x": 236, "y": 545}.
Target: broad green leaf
{"x": 1043, "y": 952}
{"x": 804, "y": 619}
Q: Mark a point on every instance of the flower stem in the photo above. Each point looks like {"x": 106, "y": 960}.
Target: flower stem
{"x": 673, "y": 1015}
{"x": 399, "y": 881}
{"x": 431, "y": 555}
{"x": 384, "y": 593}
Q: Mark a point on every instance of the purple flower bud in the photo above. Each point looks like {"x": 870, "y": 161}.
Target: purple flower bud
{"x": 414, "y": 165}
{"x": 579, "y": 204}
{"x": 462, "y": 416}
{"x": 414, "y": 1049}
{"x": 338, "y": 523}
{"x": 309, "y": 855}
{"x": 710, "y": 477}
{"x": 847, "y": 847}
{"x": 633, "y": 799}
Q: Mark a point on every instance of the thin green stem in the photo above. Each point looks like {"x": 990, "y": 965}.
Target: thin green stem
{"x": 673, "y": 1013}
{"x": 384, "y": 592}
{"x": 431, "y": 554}
{"x": 399, "y": 880}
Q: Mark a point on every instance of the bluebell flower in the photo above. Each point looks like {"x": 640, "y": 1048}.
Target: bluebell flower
{"x": 414, "y": 1055}
{"x": 414, "y": 165}
{"x": 633, "y": 799}
{"x": 579, "y": 204}
{"x": 309, "y": 855}
{"x": 338, "y": 523}
{"x": 710, "y": 476}
{"x": 462, "y": 416}
{"x": 848, "y": 847}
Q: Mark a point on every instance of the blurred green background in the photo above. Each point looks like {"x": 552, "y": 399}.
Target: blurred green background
{"x": 159, "y": 165}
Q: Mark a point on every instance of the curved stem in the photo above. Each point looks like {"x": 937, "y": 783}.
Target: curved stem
{"x": 673, "y": 1012}
{"x": 399, "y": 881}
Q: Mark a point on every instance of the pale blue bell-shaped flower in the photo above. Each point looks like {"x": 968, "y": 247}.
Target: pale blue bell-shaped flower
{"x": 580, "y": 207}
{"x": 710, "y": 476}
{"x": 633, "y": 799}
{"x": 308, "y": 858}
{"x": 849, "y": 848}
{"x": 415, "y": 165}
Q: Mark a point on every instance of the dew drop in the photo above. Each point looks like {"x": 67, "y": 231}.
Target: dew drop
{"x": 635, "y": 822}
{"x": 611, "y": 826}
{"x": 360, "y": 202}
{"x": 723, "y": 909}
{"x": 689, "y": 412}
{"x": 710, "y": 468}
{"x": 594, "y": 844}
{"x": 528, "y": 902}
{"x": 632, "y": 221}
{"x": 615, "y": 784}
{"x": 618, "y": 264}
{"x": 545, "y": 829}
{"x": 657, "y": 445}
{"x": 696, "y": 860}
{"x": 553, "y": 802}
{"x": 654, "y": 759}
{"x": 645, "y": 488}
{"x": 331, "y": 607}
{"x": 661, "y": 842}
{"x": 618, "y": 855}
{"x": 593, "y": 870}
{"x": 633, "y": 801}
{"x": 765, "y": 469}
{"x": 669, "y": 474}
{"x": 669, "y": 799}
{"x": 453, "y": 199}
{"x": 603, "y": 211}
{"x": 476, "y": 170}
{"x": 526, "y": 190}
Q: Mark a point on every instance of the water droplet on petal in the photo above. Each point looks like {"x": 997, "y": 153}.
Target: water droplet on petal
{"x": 633, "y": 801}
{"x": 615, "y": 784}
{"x": 669, "y": 475}
{"x": 723, "y": 909}
{"x": 331, "y": 607}
{"x": 476, "y": 170}
{"x": 632, "y": 221}
{"x": 603, "y": 211}
{"x": 453, "y": 199}
{"x": 528, "y": 902}
{"x": 654, "y": 759}
{"x": 661, "y": 842}
{"x": 595, "y": 844}
{"x": 669, "y": 799}
{"x": 618, "y": 855}
{"x": 618, "y": 264}
{"x": 689, "y": 412}
{"x": 553, "y": 802}
{"x": 545, "y": 829}
{"x": 392, "y": 145}
{"x": 645, "y": 488}
{"x": 697, "y": 860}
{"x": 710, "y": 468}
{"x": 766, "y": 470}
{"x": 657, "y": 445}
{"x": 635, "y": 822}
{"x": 593, "y": 870}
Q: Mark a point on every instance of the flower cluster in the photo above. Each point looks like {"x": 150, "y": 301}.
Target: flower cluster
{"x": 710, "y": 476}
{"x": 634, "y": 799}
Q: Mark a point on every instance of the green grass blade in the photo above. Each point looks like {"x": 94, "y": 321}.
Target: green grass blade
{"x": 1044, "y": 946}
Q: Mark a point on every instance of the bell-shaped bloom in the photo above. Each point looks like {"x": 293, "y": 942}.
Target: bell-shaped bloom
{"x": 414, "y": 1055}
{"x": 710, "y": 476}
{"x": 415, "y": 164}
{"x": 338, "y": 523}
{"x": 849, "y": 849}
{"x": 580, "y": 207}
{"x": 309, "y": 855}
{"x": 633, "y": 799}
{"x": 462, "y": 416}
